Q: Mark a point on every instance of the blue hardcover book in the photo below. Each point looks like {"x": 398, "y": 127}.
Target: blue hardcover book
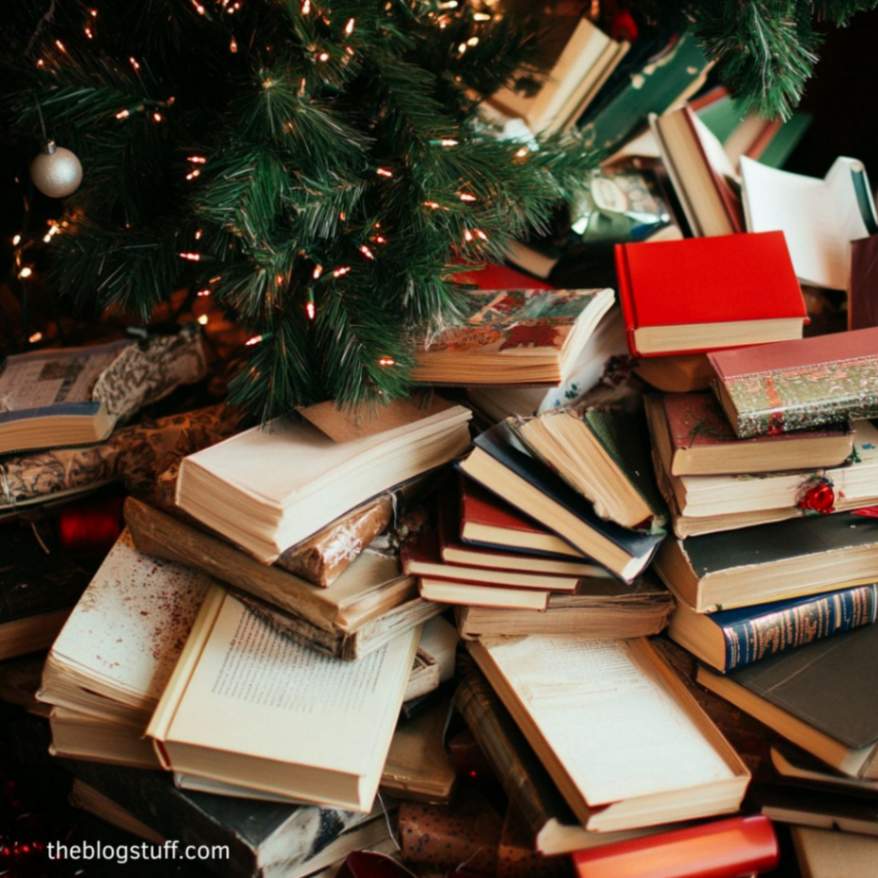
{"x": 502, "y": 464}
{"x": 731, "y": 639}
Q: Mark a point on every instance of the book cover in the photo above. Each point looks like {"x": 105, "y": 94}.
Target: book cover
{"x": 779, "y": 541}
{"x": 863, "y": 293}
{"x": 513, "y": 322}
{"x": 754, "y": 633}
{"x": 259, "y": 835}
{"x": 502, "y": 444}
{"x": 719, "y": 849}
{"x": 828, "y": 685}
{"x": 696, "y": 420}
{"x": 675, "y": 70}
{"x": 823, "y": 853}
{"x": 480, "y": 509}
{"x": 678, "y": 283}
{"x": 799, "y": 384}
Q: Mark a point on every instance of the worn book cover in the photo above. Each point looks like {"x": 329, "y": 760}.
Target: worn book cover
{"x": 863, "y": 294}
{"x": 799, "y": 384}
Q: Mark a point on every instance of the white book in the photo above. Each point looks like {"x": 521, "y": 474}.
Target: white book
{"x": 270, "y": 487}
{"x": 120, "y": 643}
{"x": 819, "y": 218}
{"x": 247, "y": 706}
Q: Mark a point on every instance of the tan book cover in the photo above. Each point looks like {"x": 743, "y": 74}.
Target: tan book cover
{"x": 247, "y": 706}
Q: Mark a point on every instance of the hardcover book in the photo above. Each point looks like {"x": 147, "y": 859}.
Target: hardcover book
{"x": 566, "y": 690}
{"x": 576, "y": 59}
{"x": 823, "y": 853}
{"x": 265, "y": 839}
{"x": 118, "y": 648}
{"x": 862, "y": 297}
{"x": 366, "y": 606}
{"x": 732, "y": 638}
{"x": 667, "y": 75}
{"x": 819, "y": 218}
{"x": 603, "y": 453}
{"x": 821, "y": 697}
{"x": 799, "y": 384}
{"x": 487, "y": 520}
{"x": 503, "y": 465}
{"x": 692, "y": 437}
{"x": 850, "y": 486}
{"x": 247, "y": 706}
{"x": 246, "y": 488}
{"x": 73, "y": 396}
{"x": 702, "y": 174}
{"x": 757, "y": 565}
{"x": 719, "y": 849}
{"x": 513, "y": 337}
{"x": 668, "y": 310}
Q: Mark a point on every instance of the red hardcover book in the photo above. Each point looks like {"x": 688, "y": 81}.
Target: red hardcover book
{"x": 798, "y": 385}
{"x": 723, "y": 849}
{"x": 486, "y": 520}
{"x": 702, "y": 294}
{"x": 500, "y": 277}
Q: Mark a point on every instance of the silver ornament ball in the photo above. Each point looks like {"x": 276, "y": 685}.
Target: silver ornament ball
{"x": 56, "y": 171}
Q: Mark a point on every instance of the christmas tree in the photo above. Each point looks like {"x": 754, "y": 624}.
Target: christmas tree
{"x": 319, "y": 167}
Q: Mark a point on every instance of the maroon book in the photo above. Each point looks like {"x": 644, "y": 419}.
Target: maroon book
{"x": 798, "y": 385}
{"x": 863, "y": 298}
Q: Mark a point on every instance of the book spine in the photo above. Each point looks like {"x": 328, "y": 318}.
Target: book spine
{"x": 756, "y": 638}
{"x": 522, "y": 777}
{"x": 620, "y": 255}
{"x": 784, "y": 400}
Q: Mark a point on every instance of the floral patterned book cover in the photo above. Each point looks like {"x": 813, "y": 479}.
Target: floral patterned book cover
{"x": 800, "y": 384}
{"x": 514, "y": 321}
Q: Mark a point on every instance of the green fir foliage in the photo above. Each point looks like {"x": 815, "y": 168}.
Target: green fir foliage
{"x": 319, "y": 165}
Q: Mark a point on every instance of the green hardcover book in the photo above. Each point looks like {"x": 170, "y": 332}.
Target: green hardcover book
{"x": 675, "y": 73}
{"x": 604, "y": 454}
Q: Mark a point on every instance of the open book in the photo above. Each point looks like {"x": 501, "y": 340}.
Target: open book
{"x": 819, "y": 218}
{"x": 247, "y": 706}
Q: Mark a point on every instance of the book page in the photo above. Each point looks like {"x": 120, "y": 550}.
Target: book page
{"x": 611, "y": 722}
{"x": 257, "y": 692}
{"x": 132, "y": 621}
{"x": 54, "y": 377}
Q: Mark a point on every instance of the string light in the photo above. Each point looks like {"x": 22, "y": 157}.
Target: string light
{"x": 252, "y": 341}
{"x": 432, "y": 205}
{"x": 349, "y": 27}
{"x": 467, "y": 197}
{"x": 196, "y": 159}
{"x": 323, "y": 56}
{"x": 472, "y": 41}
{"x": 203, "y": 319}
{"x": 134, "y": 65}
{"x": 191, "y": 257}
{"x": 61, "y": 47}
{"x": 25, "y": 272}
{"x": 233, "y": 46}
{"x": 193, "y": 174}
{"x": 341, "y": 271}
{"x": 41, "y": 62}
{"x": 366, "y": 252}
{"x": 123, "y": 114}
{"x": 93, "y": 13}
{"x": 310, "y": 307}
{"x": 37, "y": 336}
{"x": 318, "y": 270}
{"x": 89, "y": 33}
{"x": 157, "y": 117}
{"x": 199, "y": 234}
{"x": 386, "y": 361}
{"x": 384, "y": 172}
{"x": 54, "y": 229}
{"x": 16, "y": 240}
{"x": 522, "y": 153}
{"x": 306, "y": 7}
{"x": 379, "y": 239}
{"x": 198, "y": 7}
{"x": 203, "y": 293}
{"x": 482, "y": 16}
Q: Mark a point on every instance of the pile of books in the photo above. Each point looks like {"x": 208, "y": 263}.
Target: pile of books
{"x": 598, "y": 599}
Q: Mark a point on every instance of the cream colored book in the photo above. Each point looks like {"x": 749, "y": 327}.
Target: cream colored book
{"x": 271, "y": 487}
{"x": 247, "y": 706}
{"x": 616, "y": 729}
{"x": 823, "y": 853}
{"x": 120, "y": 643}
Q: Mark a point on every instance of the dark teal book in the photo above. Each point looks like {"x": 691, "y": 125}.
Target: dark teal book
{"x": 675, "y": 72}
{"x": 731, "y": 639}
